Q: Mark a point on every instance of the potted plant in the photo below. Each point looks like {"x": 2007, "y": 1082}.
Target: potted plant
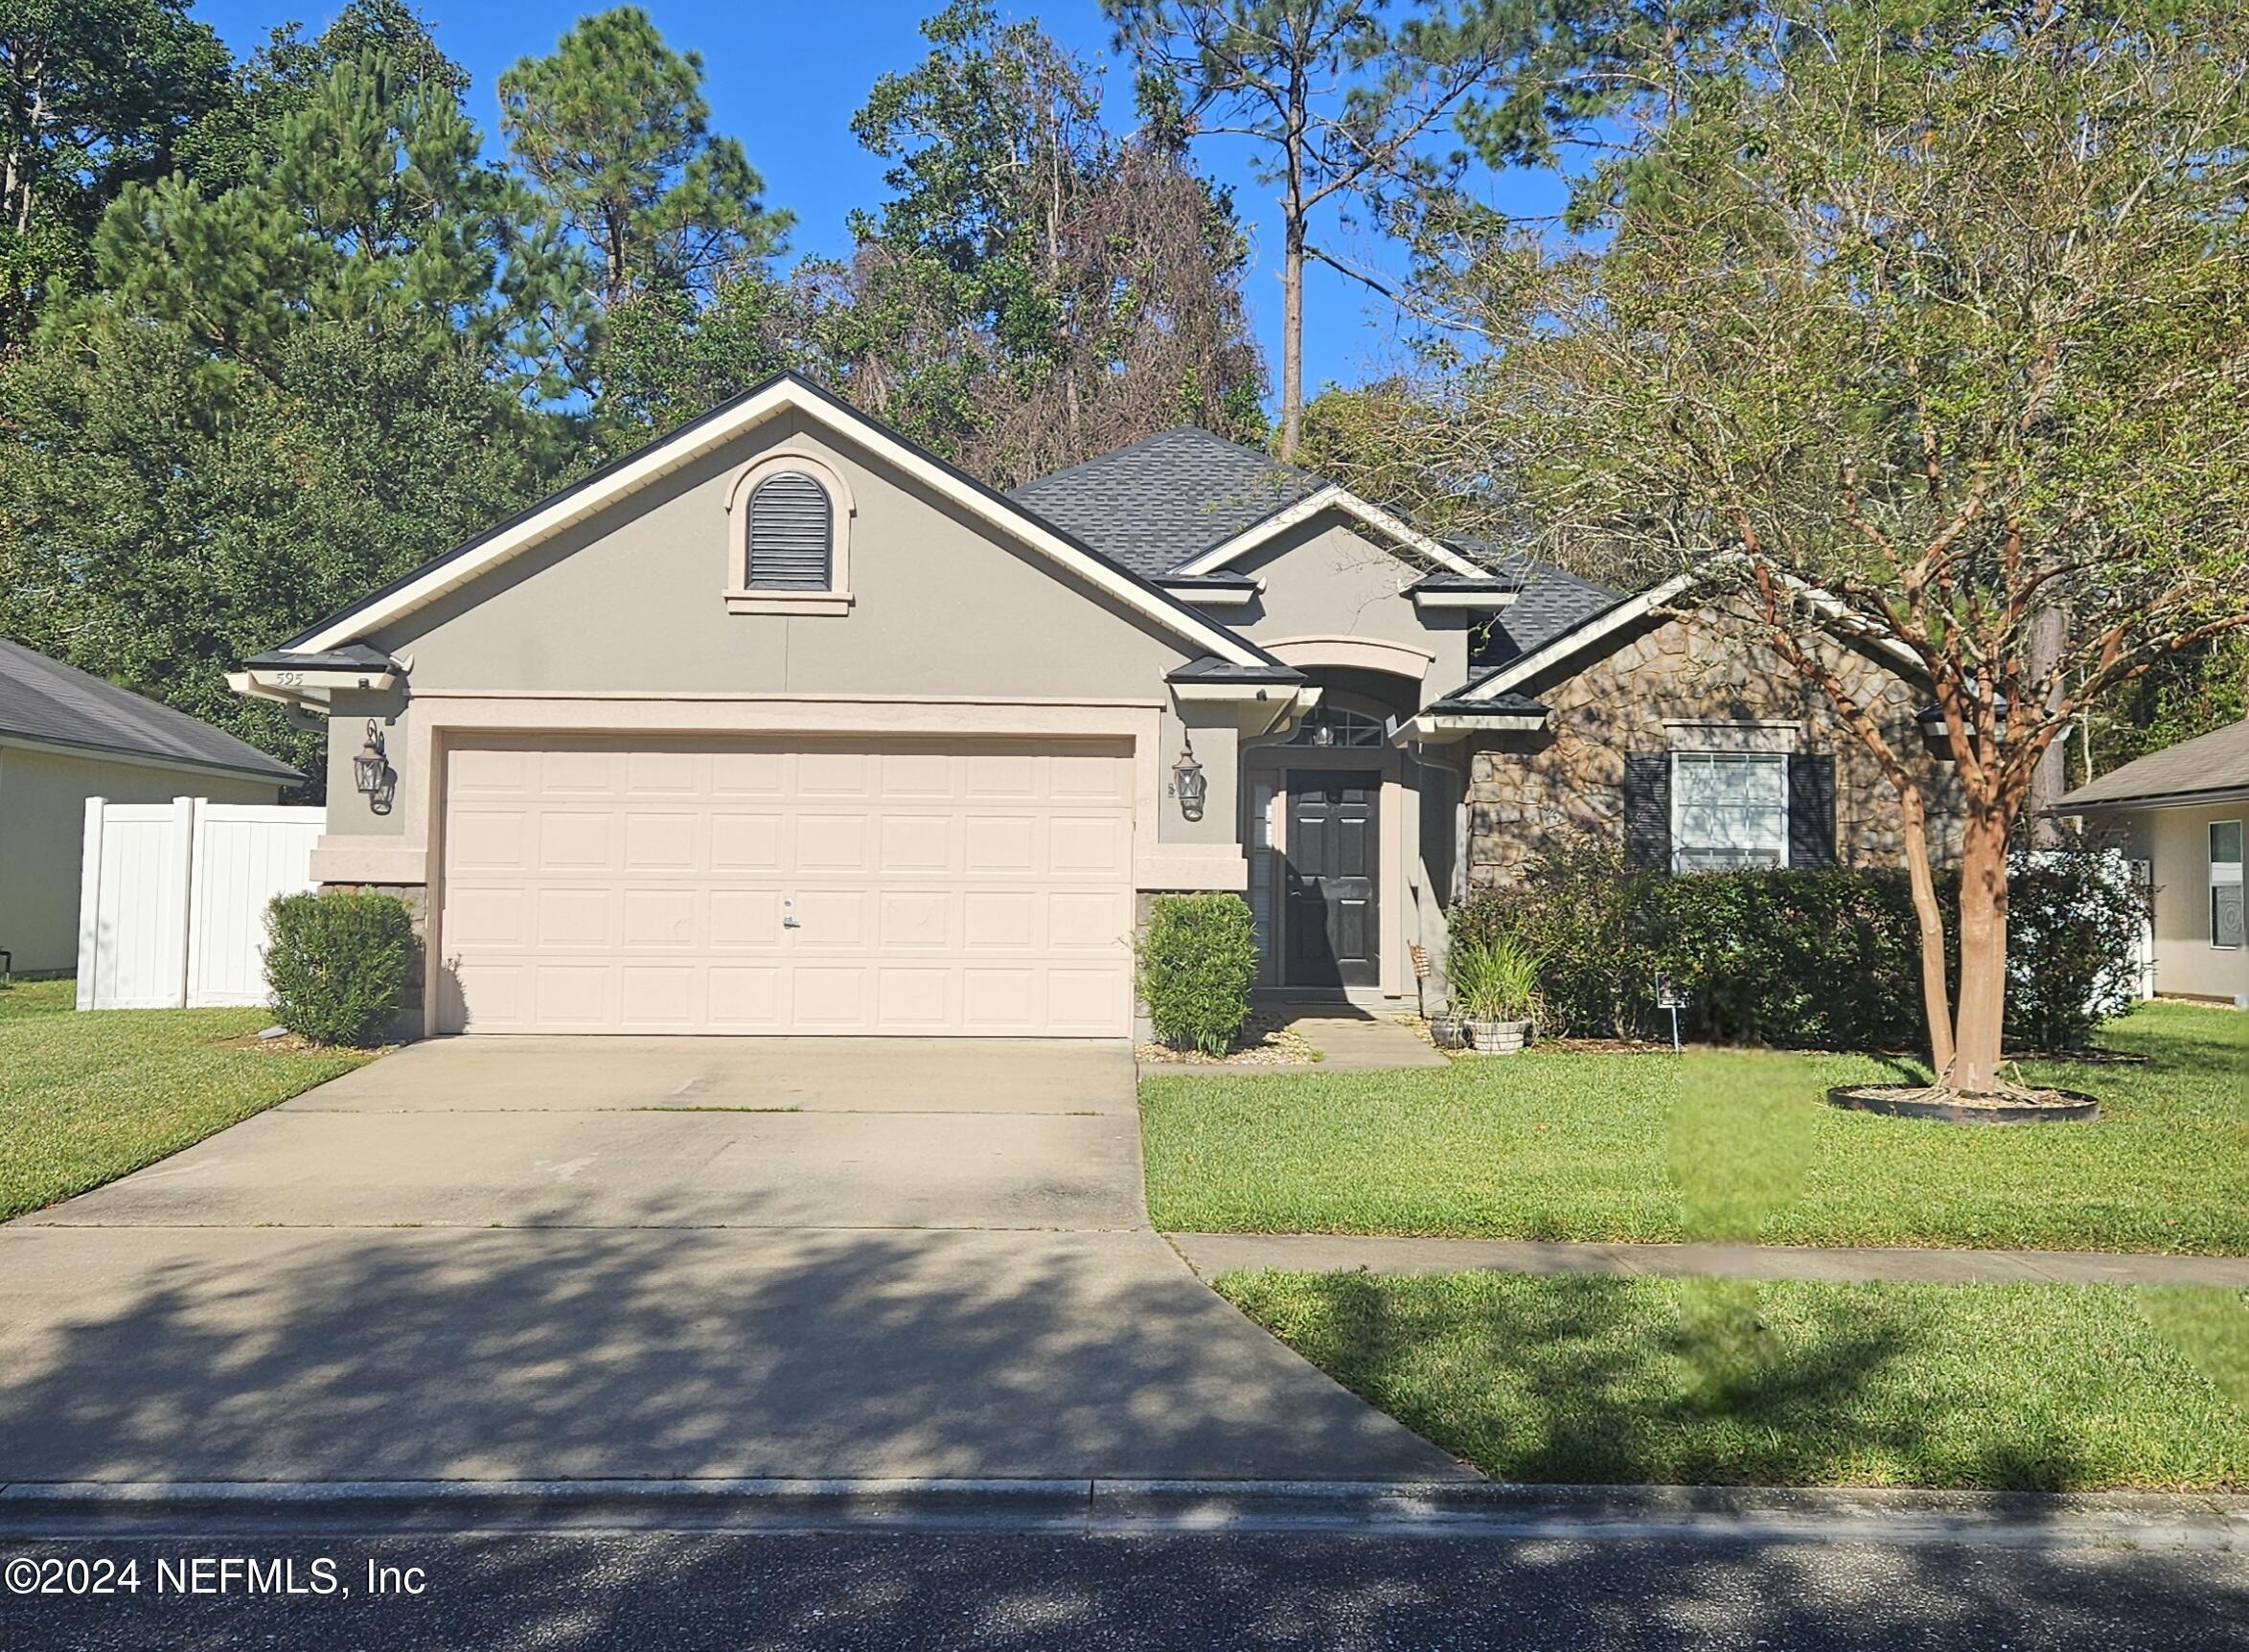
{"x": 1494, "y": 982}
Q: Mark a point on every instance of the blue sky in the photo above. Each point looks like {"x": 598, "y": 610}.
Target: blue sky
{"x": 786, "y": 77}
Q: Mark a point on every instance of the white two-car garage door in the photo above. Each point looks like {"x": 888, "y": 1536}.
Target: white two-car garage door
{"x": 894, "y": 888}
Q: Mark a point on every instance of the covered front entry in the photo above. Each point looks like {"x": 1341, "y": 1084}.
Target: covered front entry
{"x": 1351, "y": 853}
{"x": 1333, "y": 869}
{"x": 908, "y": 887}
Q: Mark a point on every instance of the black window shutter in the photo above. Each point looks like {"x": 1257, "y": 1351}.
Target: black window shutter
{"x": 1647, "y": 812}
{"x": 1812, "y": 808}
{"x": 791, "y": 525}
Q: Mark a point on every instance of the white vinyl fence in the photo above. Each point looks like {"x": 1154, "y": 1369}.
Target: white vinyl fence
{"x": 171, "y": 899}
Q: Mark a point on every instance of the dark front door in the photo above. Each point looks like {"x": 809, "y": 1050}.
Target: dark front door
{"x": 1332, "y": 860}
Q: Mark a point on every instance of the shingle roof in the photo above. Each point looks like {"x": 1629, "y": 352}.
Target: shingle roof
{"x": 1166, "y": 499}
{"x": 1550, "y": 602}
{"x": 41, "y": 698}
{"x": 2217, "y": 762}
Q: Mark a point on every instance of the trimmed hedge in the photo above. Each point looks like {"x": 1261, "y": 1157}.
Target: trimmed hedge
{"x": 338, "y": 962}
{"x": 1816, "y": 959}
{"x": 1198, "y": 961}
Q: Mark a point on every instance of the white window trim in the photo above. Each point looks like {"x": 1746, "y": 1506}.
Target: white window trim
{"x": 742, "y": 598}
{"x": 1788, "y": 798}
{"x": 2209, "y": 850}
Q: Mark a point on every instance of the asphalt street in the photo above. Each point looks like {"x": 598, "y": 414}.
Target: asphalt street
{"x": 997, "y": 1589}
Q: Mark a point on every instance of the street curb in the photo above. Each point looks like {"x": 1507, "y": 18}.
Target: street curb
{"x": 1575, "y": 1513}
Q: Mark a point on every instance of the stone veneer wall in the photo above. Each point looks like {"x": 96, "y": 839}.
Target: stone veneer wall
{"x": 1526, "y": 792}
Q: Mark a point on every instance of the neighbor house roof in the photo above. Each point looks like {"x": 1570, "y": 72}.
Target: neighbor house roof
{"x": 42, "y": 700}
{"x": 1167, "y": 498}
{"x": 2209, "y": 768}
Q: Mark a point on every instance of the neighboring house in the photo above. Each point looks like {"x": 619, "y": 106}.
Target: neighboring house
{"x": 782, "y": 725}
{"x": 65, "y": 737}
{"x": 2183, "y": 810}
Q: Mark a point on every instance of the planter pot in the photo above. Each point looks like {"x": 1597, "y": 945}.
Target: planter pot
{"x": 1444, "y": 1030}
{"x": 1911, "y": 1101}
{"x": 1497, "y": 1038}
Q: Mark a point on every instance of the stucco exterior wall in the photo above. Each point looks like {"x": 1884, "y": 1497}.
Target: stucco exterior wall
{"x": 1528, "y": 791}
{"x": 2177, "y": 844}
{"x": 42, "y": 833}
{"x": 622, "y": 624}
{"x": 1324, "y": 577}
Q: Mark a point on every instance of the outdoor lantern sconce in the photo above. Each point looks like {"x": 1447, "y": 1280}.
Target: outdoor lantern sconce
{"x": 371, "y": 772}
{"x": 1191, "y": 784}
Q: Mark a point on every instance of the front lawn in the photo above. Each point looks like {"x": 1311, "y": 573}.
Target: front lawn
{"x": 1580, "y": 1380}
{"x": 1723, "y": 1143}
{"x": 86, "y": 1098}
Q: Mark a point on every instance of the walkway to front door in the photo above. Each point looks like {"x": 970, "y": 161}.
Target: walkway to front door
{"x": 1334, "y": 860}
{"x": 657, "y": 1258}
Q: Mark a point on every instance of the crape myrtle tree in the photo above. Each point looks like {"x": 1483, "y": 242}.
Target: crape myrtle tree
{"x": 1918, "y": 321}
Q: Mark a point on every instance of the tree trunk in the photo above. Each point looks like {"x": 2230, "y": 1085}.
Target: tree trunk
{"x": 1929, "y": 916}
{"x": 1292, "y": 336}
{"x": 2049, "y": 637}
{"x": 1982, "y": 954}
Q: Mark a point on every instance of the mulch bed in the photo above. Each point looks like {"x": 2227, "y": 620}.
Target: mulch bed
{"x": 1955, "y": 1107}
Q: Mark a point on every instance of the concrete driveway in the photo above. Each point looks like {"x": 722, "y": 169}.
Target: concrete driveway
{"x": 555, "y": 1258}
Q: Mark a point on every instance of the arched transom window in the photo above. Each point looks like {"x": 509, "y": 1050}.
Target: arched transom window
{"x": 789, "y": 538}
{"x": 1338, "y": 726}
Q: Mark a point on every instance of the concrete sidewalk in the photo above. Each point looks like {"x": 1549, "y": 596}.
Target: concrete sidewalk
{"x": 1211, "y": 1255}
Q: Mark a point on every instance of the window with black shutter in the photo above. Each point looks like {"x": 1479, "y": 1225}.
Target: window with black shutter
{"x": 791, "y": 534}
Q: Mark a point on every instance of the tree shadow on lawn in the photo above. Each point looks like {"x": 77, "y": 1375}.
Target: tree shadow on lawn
{"x": 1596, "y": 1379}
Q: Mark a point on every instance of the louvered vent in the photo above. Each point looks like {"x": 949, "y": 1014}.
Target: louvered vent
{"x": 792, "y": 527}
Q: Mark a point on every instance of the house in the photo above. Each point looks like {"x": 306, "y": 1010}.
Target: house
{"x": 782, "y": 725}
{"x": 65, "y": 737}
{"x": 2181, "y": 812}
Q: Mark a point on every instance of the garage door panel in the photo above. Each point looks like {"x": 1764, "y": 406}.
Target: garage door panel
{"x": 744, "y": 918}
{"x": 1088, "y": 846}
{"x": 661, "y": 918}
{"x": 999, "y": 920}
{"x": 581, "y": 773}
{"x": 831, "y": 843}
{"x": 484, "y": 836}
{"x": 572, "y": 996}
{"x": 916, "y": 844}
{"x": 747, "y": 842}
{"x": 917, "y": 920}
{"x": 575, "y": 840}
{"x": 660, "y": 843}
{"x": 1001, "y": 845}
{"x": 478, "y": 915}
{"x": 745, "y": 998}
{"x": 981, "y": 890}
{"x": 658, "y": 998}
{"x": 576, "y": 918}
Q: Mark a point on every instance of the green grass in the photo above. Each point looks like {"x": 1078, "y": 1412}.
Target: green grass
{"x": 1726, "y": 1143}
{"x": 1581, "y": 1380}
{"x": 86, "y": 1098}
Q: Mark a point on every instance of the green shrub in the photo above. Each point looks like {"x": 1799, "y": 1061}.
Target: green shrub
{"x": 338, "y": 963}
{"x": 1197, "y": 963}
{"x": 1811, "y": 959}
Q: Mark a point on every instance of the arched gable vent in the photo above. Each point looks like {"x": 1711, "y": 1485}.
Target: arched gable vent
{"x": 791, "y": 533}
